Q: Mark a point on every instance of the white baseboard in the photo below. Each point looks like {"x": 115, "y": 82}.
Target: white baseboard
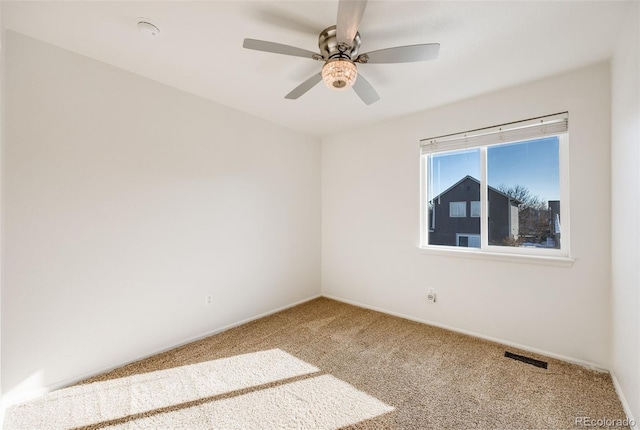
{"x": 8, "y": 401}
{"x": 584, "y": 363}
{"x": 623, "y": 400}
{"x": 61, "y": 384}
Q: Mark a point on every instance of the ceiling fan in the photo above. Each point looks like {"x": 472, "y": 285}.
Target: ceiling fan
{"x": 339, "y": 46}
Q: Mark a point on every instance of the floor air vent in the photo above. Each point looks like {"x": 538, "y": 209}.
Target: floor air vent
{"x": 528, "y": 360}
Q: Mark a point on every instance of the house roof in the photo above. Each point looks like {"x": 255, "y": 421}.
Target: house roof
{"x": 469, "y": 177}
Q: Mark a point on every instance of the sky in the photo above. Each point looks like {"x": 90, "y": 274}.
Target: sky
{"x": 534, "y": 164}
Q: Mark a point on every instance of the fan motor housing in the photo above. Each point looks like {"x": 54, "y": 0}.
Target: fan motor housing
{"x": 331, "y": 49}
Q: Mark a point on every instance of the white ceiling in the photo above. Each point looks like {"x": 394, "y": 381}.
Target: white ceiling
{"x": 484, "y": 46}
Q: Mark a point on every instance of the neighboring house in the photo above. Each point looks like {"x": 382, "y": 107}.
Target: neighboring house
{"x": 540, "y": 227}
{"x": 454, "y": 215}
{"x": 554, "y": 222}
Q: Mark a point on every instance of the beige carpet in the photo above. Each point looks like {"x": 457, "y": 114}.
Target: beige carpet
{"x": 328, "y": 365}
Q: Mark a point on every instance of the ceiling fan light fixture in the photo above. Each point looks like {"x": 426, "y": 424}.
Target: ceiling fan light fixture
{"x": 339, "y": 74}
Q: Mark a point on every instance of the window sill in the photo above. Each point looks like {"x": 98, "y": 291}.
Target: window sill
{"x": 496, "y": 256}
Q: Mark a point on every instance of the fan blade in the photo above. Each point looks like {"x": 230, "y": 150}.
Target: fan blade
{"x": 365, "y": 91}
{"x": 349, "y": 16}
{"x": 277, "y": 48}
{"x": 304, "y": 87}
{"x": 403, "y": 54}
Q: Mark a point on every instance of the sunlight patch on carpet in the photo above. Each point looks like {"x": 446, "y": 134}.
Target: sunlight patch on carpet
{"x": 83, "y": 405}
{"x": 322, "y": 402}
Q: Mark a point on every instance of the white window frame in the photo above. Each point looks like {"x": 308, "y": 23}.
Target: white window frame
{"x": 462, "y": 204}
{"x": 560, "y": 256}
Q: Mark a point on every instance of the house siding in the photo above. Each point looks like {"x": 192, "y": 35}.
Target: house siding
{"x": 446, "y": 227}
{"x": 503, "y": 216}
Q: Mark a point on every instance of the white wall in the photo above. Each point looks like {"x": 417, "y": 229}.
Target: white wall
{"x": 1, "y": 186}
{"x": 370, "y": 225}
{"x": 625, "y": 154}
{"x": 126, "y": 202}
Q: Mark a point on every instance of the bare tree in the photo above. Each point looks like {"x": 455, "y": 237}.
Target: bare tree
{"x": 523, "y": 195}
{"x": 533, "y": 213}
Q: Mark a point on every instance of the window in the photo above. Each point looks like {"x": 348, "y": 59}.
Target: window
{"x": 458, "y": 209}
{"x": 475, "y": 209}
{"x": 468, "y": 240}
{"x": 513, "y": 178}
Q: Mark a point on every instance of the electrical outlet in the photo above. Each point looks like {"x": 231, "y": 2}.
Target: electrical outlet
{"x": 208, "y": 300}
{"x": 431, "y": 295}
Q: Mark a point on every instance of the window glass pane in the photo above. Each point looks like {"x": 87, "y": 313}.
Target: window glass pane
{"x": 453, "y": 182}
{"x": 474, "y": 241}
{"x": 458, "y": 209}
{"x": 524, "y": 194}
{"x": 475, "y": 209}
{"x": 469, "y": 241}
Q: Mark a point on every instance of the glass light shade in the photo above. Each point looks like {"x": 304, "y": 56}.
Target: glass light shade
{"x": 339, "y": 74}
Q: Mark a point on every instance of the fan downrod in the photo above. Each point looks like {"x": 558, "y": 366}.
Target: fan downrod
{"x": 330, "y": 48}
